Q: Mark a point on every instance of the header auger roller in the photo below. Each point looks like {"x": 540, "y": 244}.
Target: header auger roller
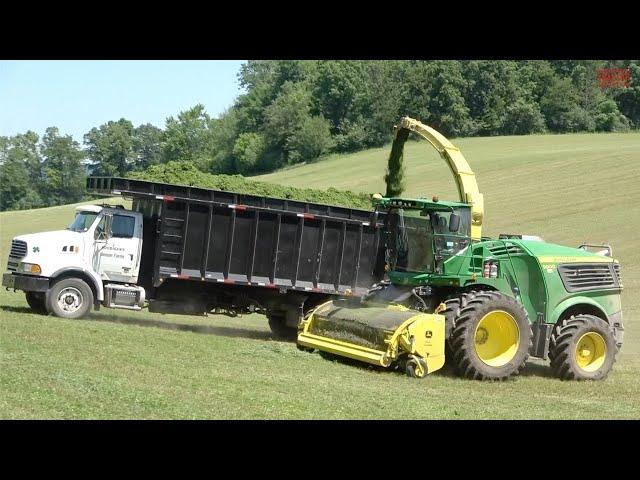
{"x": 384, "y": 336}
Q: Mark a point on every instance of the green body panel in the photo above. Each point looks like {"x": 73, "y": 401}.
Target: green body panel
{"x": 527, "y": 271}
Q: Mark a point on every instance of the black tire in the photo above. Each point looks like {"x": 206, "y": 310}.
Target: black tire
{"x": 36, "y": 301}
{"x": 454, "y": 305}
{"x": 411, "y": 368}
{"x": 465, "y": 343}
{"x": 279, "y": 328}
{"x": 73, "y": 292}
{"x": 563, "y": 348}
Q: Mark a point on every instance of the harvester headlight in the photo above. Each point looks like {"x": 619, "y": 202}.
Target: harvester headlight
{"x": 33, "y": 268}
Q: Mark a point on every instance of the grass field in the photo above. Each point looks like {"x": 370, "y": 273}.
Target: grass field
{"x": 115, "y": 364}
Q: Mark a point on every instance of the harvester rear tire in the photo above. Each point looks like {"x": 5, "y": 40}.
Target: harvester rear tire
{"x": 491, "y": 338}
{"x": 36, "y": 301}
{"x": 279, "y": 328}
{"x": 598, "y": 341}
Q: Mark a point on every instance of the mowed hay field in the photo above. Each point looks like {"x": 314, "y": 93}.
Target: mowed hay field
{"x": 116, "y": 364}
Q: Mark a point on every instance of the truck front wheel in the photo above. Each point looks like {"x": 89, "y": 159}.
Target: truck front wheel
{"x": 69, "y": 298}
{"x": 36, "y": 301}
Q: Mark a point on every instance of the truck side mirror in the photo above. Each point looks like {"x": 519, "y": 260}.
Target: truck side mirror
{"x": 454, "y": 222}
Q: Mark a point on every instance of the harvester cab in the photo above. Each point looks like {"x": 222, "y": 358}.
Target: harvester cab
{"x": 499, "y": 300}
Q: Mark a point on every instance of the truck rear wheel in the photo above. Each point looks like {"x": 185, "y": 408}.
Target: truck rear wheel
{"x": 69, "y": 298}
{"x": 491, "y": 338}
{"x": 279, "y": 328}
{"x": 36, "y": 301}
{"x": 582, "y": 347}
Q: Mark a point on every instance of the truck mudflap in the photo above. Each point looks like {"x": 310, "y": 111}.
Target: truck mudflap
{"x": 28, "y": 283}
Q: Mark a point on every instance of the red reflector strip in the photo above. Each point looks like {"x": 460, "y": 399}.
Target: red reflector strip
{"x": 238, "y": 207}
{"x": 316, "y": 290}
{"x": 306, "y": 215}
{"x": 228, "y": 280}
{"x": 183, "y": 277}
{"x": 166, "y": 198}
{"x": 271, "y": 285}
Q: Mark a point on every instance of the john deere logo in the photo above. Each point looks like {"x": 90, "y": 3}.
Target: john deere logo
{"x": 428, "y": 334}
{"x": 36, "y": 249}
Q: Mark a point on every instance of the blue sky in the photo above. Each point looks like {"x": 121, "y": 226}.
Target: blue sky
{"x": 76, "y": 96}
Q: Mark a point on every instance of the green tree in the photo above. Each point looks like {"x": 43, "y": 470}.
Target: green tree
{"x": 491, "y": 87}
{"x": 560, "y": 106}
{"x": 286, "y": 114}
{"x": 65, "y": 174}
{"x": 25, "y": 146}
{"x": 16, "y": 189}
{"x": 147, "y": 146}
{"x": 248, "y": 150}
{"x": 189, "y": 137}
{"x": 628, "y": 98}
{"x": 609, "y": 118}
{"x": 224, "y": 132}
{"x": 340, "y": 91}
{"x": 523, "y": 117}
{"x": 110, "y": 148}
{"x": 311, "y": 140}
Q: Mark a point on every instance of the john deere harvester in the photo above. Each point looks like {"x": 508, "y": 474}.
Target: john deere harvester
{"x": 498, "y": 301}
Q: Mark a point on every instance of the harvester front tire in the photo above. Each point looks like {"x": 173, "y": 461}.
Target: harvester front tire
{"x": 491, "y": 338}
{"x": 279, "y": 328}
{"x": 454, "y": 305}
{"x": 36, "y": 301}
{"x": 582, "y": 347}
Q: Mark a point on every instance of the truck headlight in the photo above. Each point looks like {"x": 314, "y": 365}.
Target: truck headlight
{"x": 30, "y": 268}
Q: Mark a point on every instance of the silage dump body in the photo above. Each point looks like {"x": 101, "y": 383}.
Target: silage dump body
{"x": 206, "y": 235}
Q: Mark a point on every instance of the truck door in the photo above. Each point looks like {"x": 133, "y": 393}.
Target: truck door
{"x": 117, "y": 254}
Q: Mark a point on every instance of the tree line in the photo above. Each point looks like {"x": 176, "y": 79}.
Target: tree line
{"x": 297, "y": 111}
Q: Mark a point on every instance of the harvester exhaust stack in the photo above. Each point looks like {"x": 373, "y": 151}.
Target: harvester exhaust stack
{"x": 387, "y": 337}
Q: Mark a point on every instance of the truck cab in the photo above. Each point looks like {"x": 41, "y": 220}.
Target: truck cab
{"x": 96, "y": 259}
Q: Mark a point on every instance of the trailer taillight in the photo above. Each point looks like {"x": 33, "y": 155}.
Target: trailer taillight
{"x": 490, "y": 269}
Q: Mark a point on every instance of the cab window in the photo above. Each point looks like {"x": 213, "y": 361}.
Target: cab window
{"x": 122, "y": 226}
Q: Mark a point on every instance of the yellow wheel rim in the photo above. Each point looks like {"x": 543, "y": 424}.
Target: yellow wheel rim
{"x": 591, "y": 351}
{"x": 497, "y": 338}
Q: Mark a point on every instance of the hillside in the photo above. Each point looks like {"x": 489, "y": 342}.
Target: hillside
{"x": 567, "y": 188}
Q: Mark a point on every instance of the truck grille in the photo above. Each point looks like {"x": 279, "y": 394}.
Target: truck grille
{"x": 18, "y": 249}
{"x": 578, "y": 277}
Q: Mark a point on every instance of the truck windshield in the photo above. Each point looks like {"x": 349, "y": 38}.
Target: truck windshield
{"x": 82, "y": 222}
{"x": 416, "y": 242}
